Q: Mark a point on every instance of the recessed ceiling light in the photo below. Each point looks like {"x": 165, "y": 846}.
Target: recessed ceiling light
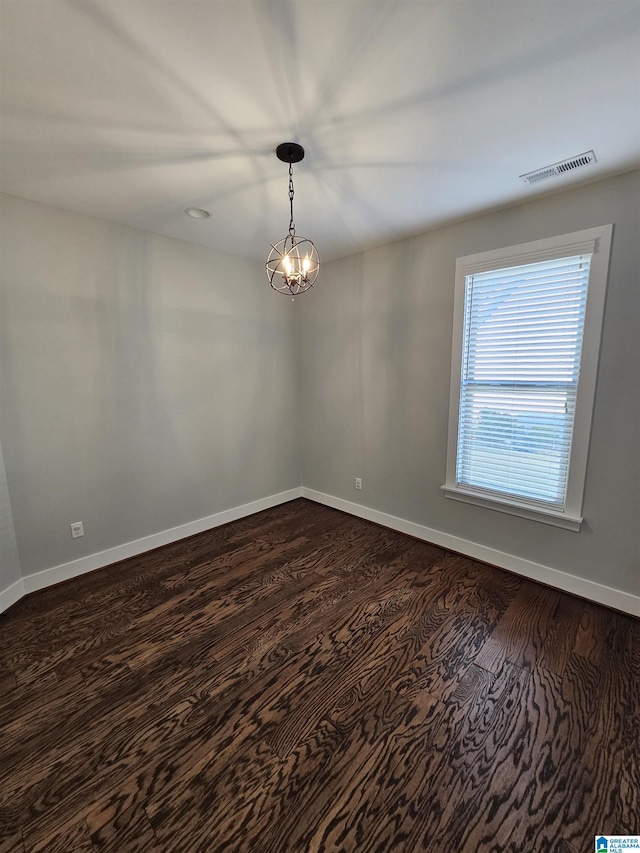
{"x": 196, "y": 213}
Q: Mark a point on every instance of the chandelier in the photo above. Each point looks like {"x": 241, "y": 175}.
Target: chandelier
{"x": 293, "y": 262}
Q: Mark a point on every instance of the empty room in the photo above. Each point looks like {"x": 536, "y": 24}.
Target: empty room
{"x": 319, "y": 426}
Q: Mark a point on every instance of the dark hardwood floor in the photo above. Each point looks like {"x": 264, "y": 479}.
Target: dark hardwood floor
{"x": 302, "y": 680}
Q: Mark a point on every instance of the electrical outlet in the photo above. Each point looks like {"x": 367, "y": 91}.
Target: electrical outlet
{"x": 358, "y": 483}
{"x": 77, "y": 529}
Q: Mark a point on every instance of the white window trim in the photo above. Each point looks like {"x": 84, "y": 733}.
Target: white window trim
{"x": 592, "y": 240}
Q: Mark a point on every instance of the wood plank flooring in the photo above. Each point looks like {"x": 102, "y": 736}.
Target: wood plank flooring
{"x": 302, "y": 680}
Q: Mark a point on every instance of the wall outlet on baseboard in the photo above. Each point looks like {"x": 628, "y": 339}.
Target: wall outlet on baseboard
{"x": 358, "y": 483}
{"x": 77, "y": 529}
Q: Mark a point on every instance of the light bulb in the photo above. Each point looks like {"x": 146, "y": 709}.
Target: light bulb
{"x": 287, "y": 265}
{"x": 306, "y": 264}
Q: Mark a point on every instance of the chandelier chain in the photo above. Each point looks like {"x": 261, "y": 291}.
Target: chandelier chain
{"x": 292, "y": 227}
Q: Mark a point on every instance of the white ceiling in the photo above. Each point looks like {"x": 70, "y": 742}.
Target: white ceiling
{"x": 411, "y": 113}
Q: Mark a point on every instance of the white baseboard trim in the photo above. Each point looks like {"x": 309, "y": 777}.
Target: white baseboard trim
{"x": 11, "y": 594}
{"x": 65, "y": 571}
{"x": 591, "y": 590}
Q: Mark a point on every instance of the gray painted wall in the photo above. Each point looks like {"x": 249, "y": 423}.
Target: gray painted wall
{"x": 9, "y": 559}
{"x": 145, "y": 382}
{"x": 375, "y": 345}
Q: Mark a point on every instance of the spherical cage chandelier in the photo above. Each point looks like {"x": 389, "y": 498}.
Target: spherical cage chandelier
{"x": 293, "y": 263}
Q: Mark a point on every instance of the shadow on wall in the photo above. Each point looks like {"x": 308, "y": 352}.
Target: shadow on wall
{"x": 9, "y": 557}
{"x": 190, "y": 373}
{"x": 406, "y": 347}
{"x": 376, "y": 350}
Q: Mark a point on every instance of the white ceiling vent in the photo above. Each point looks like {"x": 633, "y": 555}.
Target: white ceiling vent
{"x": 569, "y": 165}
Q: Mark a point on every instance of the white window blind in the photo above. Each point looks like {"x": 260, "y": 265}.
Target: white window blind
{"x": 522, "y": 344}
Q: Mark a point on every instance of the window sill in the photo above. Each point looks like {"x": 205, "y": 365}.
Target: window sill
{"x": 558, "y": 519}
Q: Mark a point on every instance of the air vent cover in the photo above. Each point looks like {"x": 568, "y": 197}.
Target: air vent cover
{"x": 569, "y": 165}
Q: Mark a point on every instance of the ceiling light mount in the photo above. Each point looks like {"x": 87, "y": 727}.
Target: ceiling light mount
{"x": 293, "y": 263}
{"x": 290, "y": 152}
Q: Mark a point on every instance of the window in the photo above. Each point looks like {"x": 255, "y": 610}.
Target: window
{"x": 527, "y": 324}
